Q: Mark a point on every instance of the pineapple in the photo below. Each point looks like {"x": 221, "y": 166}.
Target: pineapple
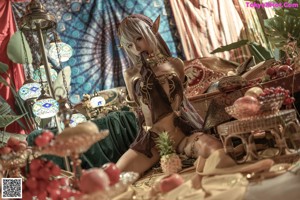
{"x": 169, "y": 160}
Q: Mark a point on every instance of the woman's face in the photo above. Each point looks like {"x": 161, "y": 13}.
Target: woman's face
{"x": 139, "y": 45}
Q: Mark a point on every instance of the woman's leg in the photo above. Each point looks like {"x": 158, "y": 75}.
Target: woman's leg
{"x": 135, "y": 161}
{"x": 199, "y": 144}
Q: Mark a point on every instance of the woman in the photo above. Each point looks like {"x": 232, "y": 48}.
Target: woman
{"x": 155, "y": 81}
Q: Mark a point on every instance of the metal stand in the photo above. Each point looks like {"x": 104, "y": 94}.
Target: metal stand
{"x": 38, "y": 19}
{"x": 281, "y": 128}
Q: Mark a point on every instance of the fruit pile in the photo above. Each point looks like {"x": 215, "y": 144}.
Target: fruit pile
{"x": 278, "y": 71}
{"x": 43, "y": 183}
{"x": 273, "y": 93}
{"x": 257, "y": 101}
{"x": 44, "y": 138}
{"x": 13, "y": 145}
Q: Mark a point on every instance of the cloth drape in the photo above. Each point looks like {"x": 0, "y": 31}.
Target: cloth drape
{"x": 15, "y": 74}
{"x": 206, "y": 25}
{"x": 123, "y": 129}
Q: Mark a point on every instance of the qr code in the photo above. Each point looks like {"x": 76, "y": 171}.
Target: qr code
{"x": 11, "y": 188}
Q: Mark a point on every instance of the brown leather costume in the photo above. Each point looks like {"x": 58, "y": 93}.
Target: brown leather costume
{"x": 154, "y": 96}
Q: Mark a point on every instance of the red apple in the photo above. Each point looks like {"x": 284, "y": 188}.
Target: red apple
{"x": 170, "y": 182}
{"x": 113, "y": 172}
{"x": 93, "y": 180}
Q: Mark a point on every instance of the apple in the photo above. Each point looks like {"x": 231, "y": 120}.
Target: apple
{"x": 113, "y": 172}
{"x": 170, "y": 182}
{"x": 93, "y": 180}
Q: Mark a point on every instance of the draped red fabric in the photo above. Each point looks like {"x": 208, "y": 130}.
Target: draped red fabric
{"x": 15, "y": 71}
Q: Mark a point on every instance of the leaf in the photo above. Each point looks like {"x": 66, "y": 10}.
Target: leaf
{"x": 3, "y": 67}
{"x": 16, "y": 48}
{"x": 6, "y": 120}
{"x": 259, "y": 52}
{"x": 5, "y": 108}
{"x": 279, "y": 29}
{"x": 231, "y": 46}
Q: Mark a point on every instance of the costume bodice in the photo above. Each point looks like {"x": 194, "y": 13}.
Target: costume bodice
{"x": 150, "y": 88}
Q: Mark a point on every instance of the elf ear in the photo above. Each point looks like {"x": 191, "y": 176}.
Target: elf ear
{"x": 155, "y": 26}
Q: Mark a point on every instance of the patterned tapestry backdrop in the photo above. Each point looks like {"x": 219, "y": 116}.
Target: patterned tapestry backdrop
{"x": 90, "y": 27}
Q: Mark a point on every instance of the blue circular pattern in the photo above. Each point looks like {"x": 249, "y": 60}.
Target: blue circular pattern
{"x": 87, "y": 86}
{"x": 89, "y": 27}
{"x": 75, "y": 7}
{"x": 80, "y": 79}
{"x": 129, "y": 4}
{"x": 67, "y": 17}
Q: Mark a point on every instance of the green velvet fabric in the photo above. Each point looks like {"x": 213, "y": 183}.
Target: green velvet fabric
{"x": 123, "y": 129}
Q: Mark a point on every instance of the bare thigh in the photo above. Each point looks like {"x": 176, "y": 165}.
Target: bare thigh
{"x": 134, "y": 161}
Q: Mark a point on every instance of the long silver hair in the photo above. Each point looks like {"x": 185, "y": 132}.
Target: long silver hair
{"x": 131, "y": 28}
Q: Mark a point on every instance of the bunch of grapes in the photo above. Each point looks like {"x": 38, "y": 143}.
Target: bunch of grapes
{"x": 44, "y": 138}
{"x": 13, "y": 145}
{"x": 42, "y": 182}
{"x": 274, "y": 92}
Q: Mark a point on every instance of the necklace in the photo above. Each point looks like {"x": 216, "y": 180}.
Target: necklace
{"x": 156, "y": 60}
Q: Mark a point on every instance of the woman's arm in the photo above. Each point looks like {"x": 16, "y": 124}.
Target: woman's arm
{"x": 129, "y": 75}
{"x": 178, "y": 66}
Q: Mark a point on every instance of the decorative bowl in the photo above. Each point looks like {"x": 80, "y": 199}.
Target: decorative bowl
{"x": 239, "y": 114}
{"x": 271, "y": 104}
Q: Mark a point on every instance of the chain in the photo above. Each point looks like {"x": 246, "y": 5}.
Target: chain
{"x": 39, "y": 69}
